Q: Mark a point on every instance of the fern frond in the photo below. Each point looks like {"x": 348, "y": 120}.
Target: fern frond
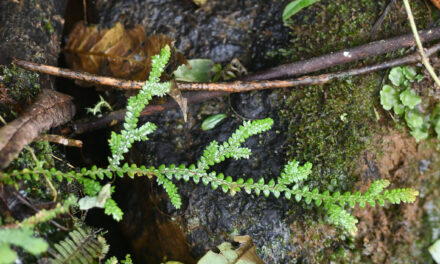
{"x": 81, "y": 246}
{"x": 292, "y": 172}
{"x": 111, "y": 208}
{"x": 342, "y": 219}
{"x": 121, "y": 143}
{"x": 232, "y": 148}
{"x": 22, "y": 238}
{"x": 171, "y": 190}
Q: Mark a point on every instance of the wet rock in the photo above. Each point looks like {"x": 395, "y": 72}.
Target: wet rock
{"x": 221, "y": 30}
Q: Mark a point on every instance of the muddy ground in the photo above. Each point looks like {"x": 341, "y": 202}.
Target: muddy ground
{"x": 347, "y": 154}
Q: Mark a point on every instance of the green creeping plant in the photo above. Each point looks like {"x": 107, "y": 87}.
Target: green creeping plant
{"x": 290, "y": 183}
{"x": 407, "y": 104}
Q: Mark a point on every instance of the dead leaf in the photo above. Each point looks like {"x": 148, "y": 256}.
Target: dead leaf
{"x": 117, "y": 52}
{"x": 179, "y": 98}
{"x": 247, "y": 250}
{"x": 436, "y": 3}
{"x": 245, "y": 254}
{"x": 121, "y": 53}
{"x": 50, "y": 109}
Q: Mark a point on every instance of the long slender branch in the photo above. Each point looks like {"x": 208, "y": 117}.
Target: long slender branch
{"x": 294, "y": 69}
{"x": 232, "y": 87}
{"x": 425, "y": 60}
{"x": 344, "y": 56}
{"x": 118, "y": 116}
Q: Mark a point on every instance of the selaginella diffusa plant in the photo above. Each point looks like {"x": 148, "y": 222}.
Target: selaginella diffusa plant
{"x": 290, "y": 184}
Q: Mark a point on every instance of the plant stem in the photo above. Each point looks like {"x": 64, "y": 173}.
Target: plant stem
{"x": 425, "y": 60}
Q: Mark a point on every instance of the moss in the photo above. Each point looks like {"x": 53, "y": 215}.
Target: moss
{"x": 43, "y": 152}
{"x": 16, "y": 87}
{"x": 329, "y": 26}
{"x": 330, "y": 126}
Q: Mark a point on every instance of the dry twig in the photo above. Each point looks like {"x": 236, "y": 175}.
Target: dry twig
{"x": 425, "y": 59}
{"x": 118, "y": 116}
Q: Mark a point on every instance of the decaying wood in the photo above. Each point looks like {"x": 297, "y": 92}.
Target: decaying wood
{"x": 32, "y": 30}
{"x": 50, "y": 109}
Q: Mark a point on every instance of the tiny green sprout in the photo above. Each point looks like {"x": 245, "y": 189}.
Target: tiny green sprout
{"x": 99, "y": 106}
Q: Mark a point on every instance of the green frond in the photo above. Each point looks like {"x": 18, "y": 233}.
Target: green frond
{"x": 111, "y": 208}
{"x": 21, "y": 238}
{"x": 215, "y": 153}
{"x": 81, "y": 246}
{"x": 171, "y": 189}
{"x": 343, "y": 219}
{"x": 294, "y": 173}
{"x": 121, "y": 143}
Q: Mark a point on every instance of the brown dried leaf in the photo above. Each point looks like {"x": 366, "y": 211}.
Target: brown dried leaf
{"x": 50, "y": 109}
{"x": 245, "y": 254}
{"x": 121, "y": 53}
{"x": 116, "y": 51}
{"x": 247, "y": 251}
{"x": 436, "y": 3}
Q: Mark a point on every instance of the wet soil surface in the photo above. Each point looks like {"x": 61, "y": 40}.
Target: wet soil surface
{"x": 221, "y": 31}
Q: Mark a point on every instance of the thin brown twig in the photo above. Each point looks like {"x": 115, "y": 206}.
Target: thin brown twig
{"x": 294, "y": 69}
{"x": 58, "y": 139}
{"x": 85, "y": 11}
{"x": 425, "y": 59}
{"x": 382, "y": 17}
{"x": 344, "y": 56}
{"x": 232, "y": 87}
{"x": 27, "y": 203}
{"x": 118, "y": 116}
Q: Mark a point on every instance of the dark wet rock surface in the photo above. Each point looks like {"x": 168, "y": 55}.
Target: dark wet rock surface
{"x": 221, "y": 31}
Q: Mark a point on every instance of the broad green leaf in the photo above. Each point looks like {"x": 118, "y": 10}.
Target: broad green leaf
{"x": 396, "y": 76}
{"x": 413, "y": 118}
{"x": 419, "y": 133}
{"x": 409, "y": 72}
{"x": 410, "y": 98}
{"x": 210, "y": 122}
{"x": 296, "y": 6}
{"x": 200, "y": 70}
{"x": 399, "y": 109}
{"x": 7, "y": 254}
{"x": 388, "y": 97}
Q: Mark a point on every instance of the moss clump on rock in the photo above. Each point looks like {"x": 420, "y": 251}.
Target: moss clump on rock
{"x": 330, "y": 126}
{"x": 16, "y": 86}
